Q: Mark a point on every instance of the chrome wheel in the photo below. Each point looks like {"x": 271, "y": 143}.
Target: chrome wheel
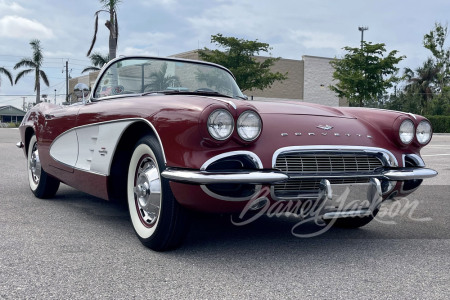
{"x": 41, "y": 184}
{"x": 158, "y": 220}
{"x": 35, "y": 165}
{"x": 147, "y": 191}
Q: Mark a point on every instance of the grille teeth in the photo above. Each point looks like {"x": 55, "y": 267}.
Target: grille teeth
{"x": 301, "y": 163}
{"x": 337, "y": 163}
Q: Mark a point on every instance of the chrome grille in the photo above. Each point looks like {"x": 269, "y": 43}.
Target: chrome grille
{"x": 329, "y": 164}
{"x": 310, "y": 185}
{"x": 326, "y": 163}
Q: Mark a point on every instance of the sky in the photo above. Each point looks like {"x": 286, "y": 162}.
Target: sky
{"x": 292, "y": 28}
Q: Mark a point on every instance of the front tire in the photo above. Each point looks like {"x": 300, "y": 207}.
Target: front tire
{"x": 158, "y": 220}
{"x": 41, "y": 184}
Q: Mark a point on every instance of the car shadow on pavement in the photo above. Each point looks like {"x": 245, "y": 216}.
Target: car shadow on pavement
{"x": 212, "y": 231}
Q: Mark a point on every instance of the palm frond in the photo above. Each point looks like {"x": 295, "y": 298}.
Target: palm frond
{"x": 44, "y": 77}
{"x": 99, "y": 60}
{"x": 25, "y": 62}
{"x": 37, "y": 52}
{"x": 94, "y": 38}
{"x": 89, "y": 69}
{"x": 7, "y": 74}
{"x": 22, "y": 74}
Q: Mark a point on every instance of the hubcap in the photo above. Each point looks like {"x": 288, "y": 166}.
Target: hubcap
{"x": 35, "y": 165}
{"x": 147, "y": 191}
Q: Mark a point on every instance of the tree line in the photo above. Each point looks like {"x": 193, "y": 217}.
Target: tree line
{"x": 367, "y": 76}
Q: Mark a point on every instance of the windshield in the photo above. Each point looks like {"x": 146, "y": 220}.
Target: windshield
{"x": 151, "y": 75}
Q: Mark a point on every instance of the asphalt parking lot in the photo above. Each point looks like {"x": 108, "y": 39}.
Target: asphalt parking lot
{"x": 78, "y": 246}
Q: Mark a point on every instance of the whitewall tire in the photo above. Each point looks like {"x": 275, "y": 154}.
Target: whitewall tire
{"x": 41, "y": 184}
{"x": 158, "y": 220}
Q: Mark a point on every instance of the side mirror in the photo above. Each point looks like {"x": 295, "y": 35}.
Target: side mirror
{"x": 81, "y": 90}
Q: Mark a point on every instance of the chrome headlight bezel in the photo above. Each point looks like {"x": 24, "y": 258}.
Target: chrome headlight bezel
{"x": 216, "y": 127}
{"x": 246, "y": 132}
{"x": 406, "y": 131}
{"x": 424, "y": 132}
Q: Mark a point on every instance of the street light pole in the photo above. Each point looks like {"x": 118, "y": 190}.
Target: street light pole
{"x": 362, "y": 29}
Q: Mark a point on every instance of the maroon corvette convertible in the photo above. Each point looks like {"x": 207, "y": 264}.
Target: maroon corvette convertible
{"x": 171, "y": 136}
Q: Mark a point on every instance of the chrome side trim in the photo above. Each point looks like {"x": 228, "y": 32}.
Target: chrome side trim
{"x": 409, "y": 173}
{"x": 389, "y": 158}
{"x": 414, "y": 157}
{"x": 203, "y": 177}
{"x": 412, "y": 115}
{"x": 229, "y": 102}
{"x": 72, "y": 162}
{"x": 251, "y": 155}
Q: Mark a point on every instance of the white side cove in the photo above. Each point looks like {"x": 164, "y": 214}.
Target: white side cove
{"x": 89, "y": 148}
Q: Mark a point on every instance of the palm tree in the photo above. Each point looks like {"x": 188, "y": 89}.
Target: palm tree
{"x": 110, "y": 7}
{"x": 7, "y": 73}
{"x": 35, "y": 64}
{"x": 159, "y": 80}
{"x": 423, "y": 81}
{"x": 97, "y": 61}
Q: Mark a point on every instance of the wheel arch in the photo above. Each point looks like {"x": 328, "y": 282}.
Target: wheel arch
{"x": 117, "y": 179}
{"x": 29, "y": 131}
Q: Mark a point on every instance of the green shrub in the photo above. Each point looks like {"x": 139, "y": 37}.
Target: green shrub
{"x": 13, "y": 125}
{"x": 441, "y": 124}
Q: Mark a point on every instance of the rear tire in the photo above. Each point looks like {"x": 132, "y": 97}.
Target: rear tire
{"x": 41, "y": 184}
{"x": 159, "y": 221}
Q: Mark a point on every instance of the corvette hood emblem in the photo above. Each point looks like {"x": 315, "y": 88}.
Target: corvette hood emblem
{"x": 325, "y": 127}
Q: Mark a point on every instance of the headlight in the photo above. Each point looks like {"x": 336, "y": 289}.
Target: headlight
{"x": 423, "y": 132}
{"x": 220, "y": 124}
{"x": 406, "y": 131}
{"x": 249, "y": 125}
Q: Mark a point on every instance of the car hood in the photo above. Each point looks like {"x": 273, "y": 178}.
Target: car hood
{"x": 298, "y": 108}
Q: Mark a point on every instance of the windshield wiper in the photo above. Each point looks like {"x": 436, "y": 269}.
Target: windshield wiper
{"x": 178, "y": 92}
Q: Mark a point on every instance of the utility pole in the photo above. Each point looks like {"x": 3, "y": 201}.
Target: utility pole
{"x": 67, "y": 81}
{"x": 24, "y": 103}
{"x": 55, "y": 96}
{"x": 362, "y": 29}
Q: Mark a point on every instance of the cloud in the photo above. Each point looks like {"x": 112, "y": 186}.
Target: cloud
{"x": 8, "y": 7}
{"x": 131, "y": 51}
{"x": 317, "y": 40}
{"x": 152, "y": 3}
{"x": 19, "y": 27}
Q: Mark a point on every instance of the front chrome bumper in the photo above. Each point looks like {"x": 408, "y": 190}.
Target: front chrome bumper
{"x": 274, "y": 176}
{"x": 204, "y": 177}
